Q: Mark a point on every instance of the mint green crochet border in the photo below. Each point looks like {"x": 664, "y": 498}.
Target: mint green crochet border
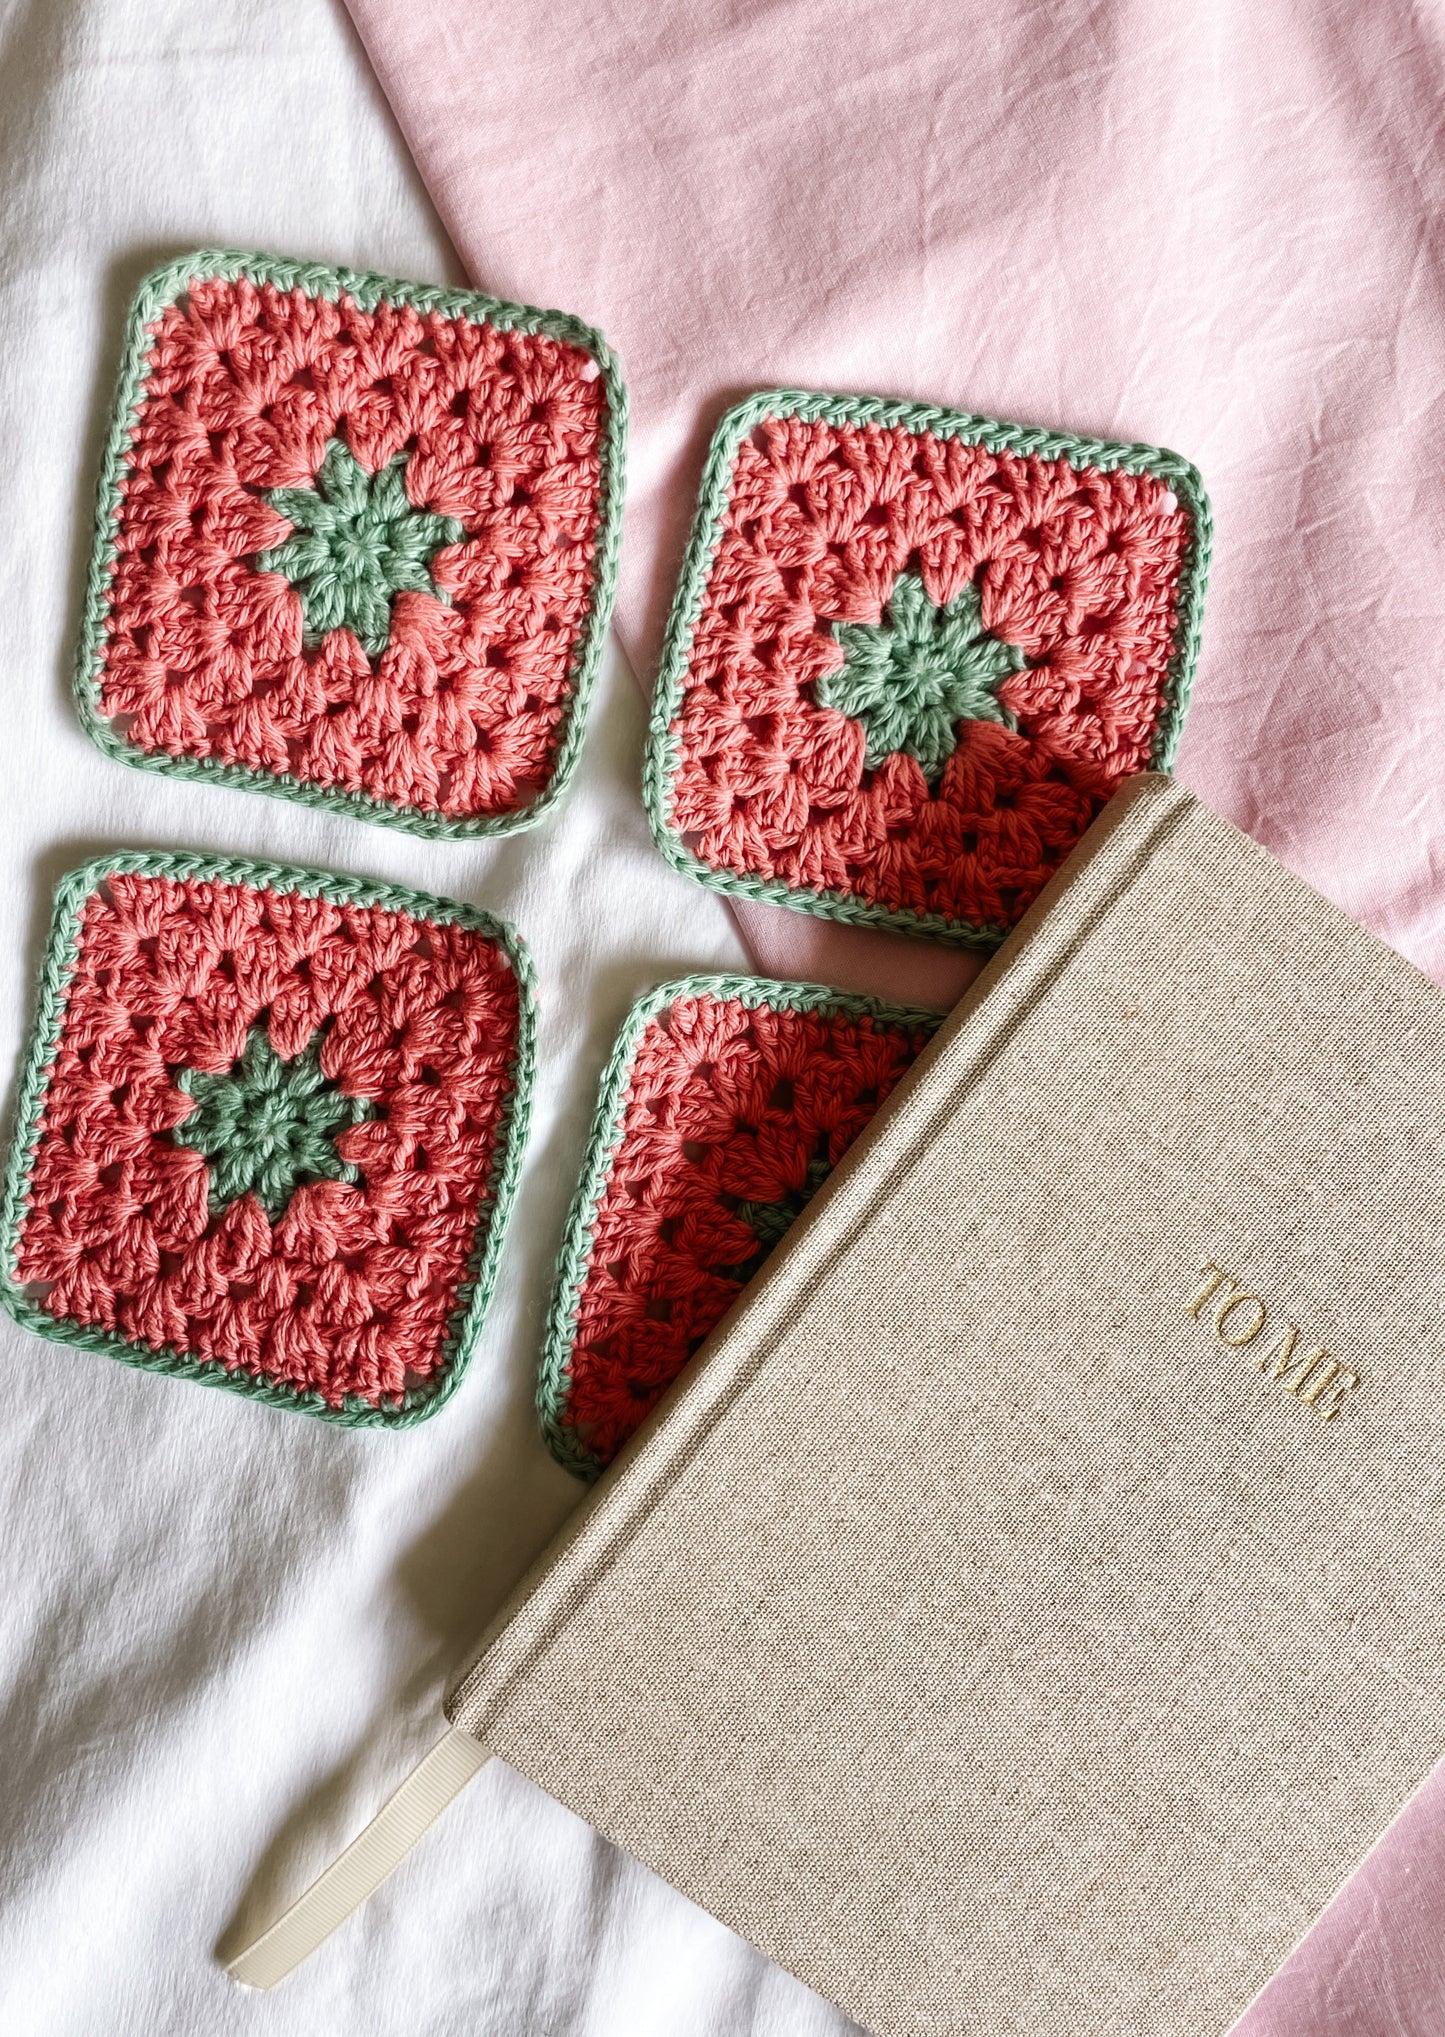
{"x": 602, "y": 1147}
{"x": 660, "y": 768}
{"x": 474, "y": 1291}
{"x": 161, "y": 289}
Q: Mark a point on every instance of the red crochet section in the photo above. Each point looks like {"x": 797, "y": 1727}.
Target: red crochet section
{"x": 351, "y": 1290}
{"x": 1079, "y": 569}
{"x": 732, "y": 1116}
{"x": 203, "y": 655}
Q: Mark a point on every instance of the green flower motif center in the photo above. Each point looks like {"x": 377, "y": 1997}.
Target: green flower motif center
{"x": 358, "y": 541}
{"x": 268, "y": 1125}
{"x": 913, "y": 677}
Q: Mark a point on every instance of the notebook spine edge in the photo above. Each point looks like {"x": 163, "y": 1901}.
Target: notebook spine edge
{"x": 595, "y": 1537}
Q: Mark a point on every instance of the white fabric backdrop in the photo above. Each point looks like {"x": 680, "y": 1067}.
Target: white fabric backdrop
{"x": 224, "y": 1631}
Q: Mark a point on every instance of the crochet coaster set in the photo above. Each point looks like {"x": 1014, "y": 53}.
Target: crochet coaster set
{"x": 356, "y": 546}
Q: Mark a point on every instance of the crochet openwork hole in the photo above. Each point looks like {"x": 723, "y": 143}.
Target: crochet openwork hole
{"x": 356, "y": 542}
{"x": 728, "y": 1103}
{"x": 269, "y": 1131}
{"x": 914, "y": 653}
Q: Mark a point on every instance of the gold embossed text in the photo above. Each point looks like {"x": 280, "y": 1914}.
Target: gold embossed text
{"x": 1242, "y": 1322}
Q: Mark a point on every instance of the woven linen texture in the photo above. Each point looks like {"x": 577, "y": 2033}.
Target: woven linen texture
{"x": 272, "y": 1134}
{"x": 357, "y": 549}
{"x": 915, "y": 662}
{"x": 727, "y": 1105}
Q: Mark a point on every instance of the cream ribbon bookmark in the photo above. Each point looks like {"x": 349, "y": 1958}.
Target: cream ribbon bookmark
{"x": 365, "y": 1864}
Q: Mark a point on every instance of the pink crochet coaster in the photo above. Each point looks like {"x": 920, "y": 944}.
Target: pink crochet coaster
{"x": 727, "y": 1102}
{"x": 269, "y": 1130}
{"x": 912, "y": 654}
{"x": 356, "y": 543}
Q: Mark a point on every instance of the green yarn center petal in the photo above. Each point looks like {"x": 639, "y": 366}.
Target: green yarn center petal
{"x": 357, "y": 541}
{"x": 268, "y": 1125}
{"x": 913, "y": 677}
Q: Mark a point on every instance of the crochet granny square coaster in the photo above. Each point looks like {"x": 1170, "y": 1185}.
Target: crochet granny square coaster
{"x": 269, "y": 1129}
{"x": 727, "y": 1103}
{"x": 356, "y": 543}
{"x": 913, "y": 652}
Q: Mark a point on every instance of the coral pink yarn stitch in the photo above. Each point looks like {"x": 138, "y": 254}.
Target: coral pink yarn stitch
{"x": 1076, "y": 568}
{"x": 733, "y": 1113}
{"x": 205, "y": 654}
{"x": 350, "y": 1290}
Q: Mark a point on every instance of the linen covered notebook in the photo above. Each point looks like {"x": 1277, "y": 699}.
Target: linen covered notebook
{"x": 1031, "y": 1603}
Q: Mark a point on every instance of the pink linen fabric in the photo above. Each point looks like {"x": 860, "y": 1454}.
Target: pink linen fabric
{"x": 1213, "y": 228}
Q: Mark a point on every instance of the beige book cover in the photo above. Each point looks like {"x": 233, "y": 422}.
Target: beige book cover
{"x": 1031, "y": 1605}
